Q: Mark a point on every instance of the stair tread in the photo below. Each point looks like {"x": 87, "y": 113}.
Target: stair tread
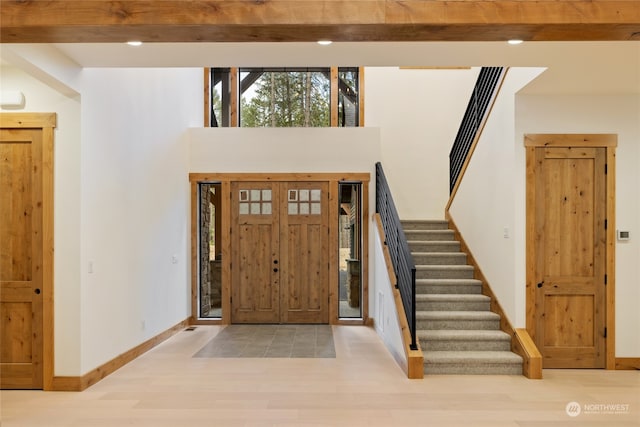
{"x": 439, "y": 242}
{"x": 442, "y": 254}
{"x": 427, "y": 221}
{"x": 443, "y": 267}
{"x": 467, "y": 335}
{"x": 488, "y": 357}
{"x": 457, "y": 315}
{"x": 444, "y": 281}
{"x": 452, "y": 297}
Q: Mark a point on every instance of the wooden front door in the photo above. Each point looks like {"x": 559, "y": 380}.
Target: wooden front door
{"x": 569, "y": 256}
{"x": 21, "y": 259}
{"x": 280, "y": 254}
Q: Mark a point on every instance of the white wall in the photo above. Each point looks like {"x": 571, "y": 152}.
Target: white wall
{"x": 387, "y": 322}
{"x": 135, "y": 205}
{"x": 619, "y": 114}
{"x": 41, "y": 98}
{"x": 418, "y": 112}
{"x": 488, "y": 198}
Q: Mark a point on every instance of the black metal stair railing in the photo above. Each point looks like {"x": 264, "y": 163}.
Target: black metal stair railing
{"x": 483, "y": 93}
{"x": 399, "y": 251}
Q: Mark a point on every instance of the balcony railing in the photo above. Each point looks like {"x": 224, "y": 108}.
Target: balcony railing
{"x": 483, "y": 93}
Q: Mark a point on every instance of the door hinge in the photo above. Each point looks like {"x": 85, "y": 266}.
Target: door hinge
{"x": 605, "y": 224}
{"x": 605, "y": 279}
{"x": 605, "y": 168}
{"x": 605, "y": 332}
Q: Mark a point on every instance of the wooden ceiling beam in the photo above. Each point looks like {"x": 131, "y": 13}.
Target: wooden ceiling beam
{"x": 80, "y": 21}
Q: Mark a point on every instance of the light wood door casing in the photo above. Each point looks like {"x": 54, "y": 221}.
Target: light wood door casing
{"x": 570, "y": 260}
{"x": 304, "y": 252}
{"x": 21, "y": 258}
{"x": 255, "y": 241}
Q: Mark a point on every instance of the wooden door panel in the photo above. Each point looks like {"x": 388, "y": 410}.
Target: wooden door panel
{"x": 570, "y": 256}
{"x": 569, "y": 202}
{"x": 17, "y": 329}
{"x": 21, "y": 229}
{"x": 255, "y": 246}
{"x": 15, "y": 211}
{"x": 304, "y": 252}
{"x": 575, "y": 311}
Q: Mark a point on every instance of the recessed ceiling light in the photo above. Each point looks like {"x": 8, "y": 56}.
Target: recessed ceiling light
{"x": 134, "y": 43}
{"x": 324, "y": 42}
{"x": 515, "y": 41}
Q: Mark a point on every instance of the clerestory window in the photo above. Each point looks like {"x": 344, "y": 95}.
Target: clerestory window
{"x": 285, "y": 97}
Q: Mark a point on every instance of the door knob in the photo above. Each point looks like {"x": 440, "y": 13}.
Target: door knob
{"x": 275, "y": 270}
{"x": 37, "y": 291}
{"x": 540, "y": 284}
{"x": 275, "y": 261}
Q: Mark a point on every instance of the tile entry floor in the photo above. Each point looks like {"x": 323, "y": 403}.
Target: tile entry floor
{"x": 314, "y": 341}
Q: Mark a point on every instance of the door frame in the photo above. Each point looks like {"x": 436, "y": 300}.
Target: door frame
{"x": 609, "y": 142}
{"x": 225, "y": 179}
{"x": 45, "y": 122}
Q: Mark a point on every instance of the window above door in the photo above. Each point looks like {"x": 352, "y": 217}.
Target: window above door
{"x": 284, "y": 97}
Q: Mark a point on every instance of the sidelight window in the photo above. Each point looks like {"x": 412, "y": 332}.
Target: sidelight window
{"x": 350, "y": 250}
{"x": 210, "y": 247}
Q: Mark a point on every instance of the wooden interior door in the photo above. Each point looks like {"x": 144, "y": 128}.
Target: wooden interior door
{"x": 21, "y": 259}
{"x": 570, "y": 236}
{"x": 255, "y": 242}
{"x": 280, "y": 253}
{"x": 304, "y": 252}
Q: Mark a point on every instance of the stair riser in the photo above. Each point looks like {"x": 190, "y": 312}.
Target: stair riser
{"x": 449, "y": 289}
{"x": 453, "y": 306}
{"x": 460, "y": 345}
{"x": 464, "y": 324}
{"x": 445, "y": 273}
{"x": 425, "y": 225}
{"x": 440, "y": 259}
{"x": 433, "y": 369}
{"x": 434, "y": 235}
{"x": 417, "y": 246}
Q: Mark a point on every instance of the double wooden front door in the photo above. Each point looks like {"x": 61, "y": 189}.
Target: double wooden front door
{"x": 280, "y": 252}
{"x": 21, "y": 258}
{"x": 569, "y": 255}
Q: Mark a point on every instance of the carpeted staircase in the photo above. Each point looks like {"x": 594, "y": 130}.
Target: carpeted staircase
{"x": 457, "y": 331}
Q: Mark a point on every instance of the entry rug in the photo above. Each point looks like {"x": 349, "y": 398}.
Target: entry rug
{"x": 290, "y": 341}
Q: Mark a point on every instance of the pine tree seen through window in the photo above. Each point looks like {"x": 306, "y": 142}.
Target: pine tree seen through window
{"x": 286, "y": 99}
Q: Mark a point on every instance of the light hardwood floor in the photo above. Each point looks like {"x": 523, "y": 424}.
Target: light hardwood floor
{"x": 362, "y": 386}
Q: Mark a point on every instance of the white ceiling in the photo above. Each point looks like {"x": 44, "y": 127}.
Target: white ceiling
{"x": 573, "y": 67}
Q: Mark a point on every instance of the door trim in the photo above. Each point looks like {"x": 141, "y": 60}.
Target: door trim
{"x": 609, "y": 142}
{"x": 46, "y": 122}
{"x": 225, "y": 179}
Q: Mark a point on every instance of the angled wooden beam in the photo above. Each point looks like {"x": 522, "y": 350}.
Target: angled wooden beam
{"x": 78, "y": 21}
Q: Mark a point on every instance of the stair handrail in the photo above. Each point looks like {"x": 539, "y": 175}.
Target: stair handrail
{"x": 484, "y": 91}
{"x": 396, "y": 241}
